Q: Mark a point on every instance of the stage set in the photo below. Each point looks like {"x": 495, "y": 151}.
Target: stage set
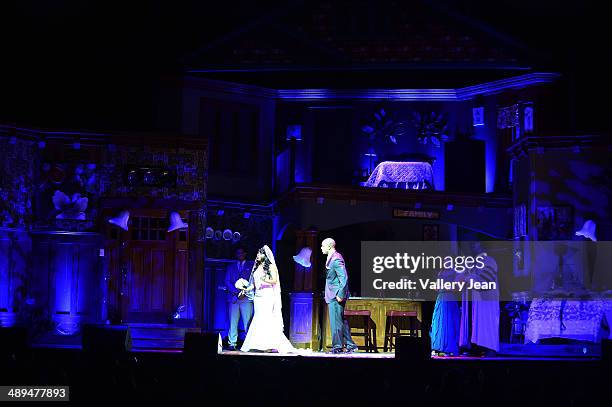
{"x": 121, "y": 251}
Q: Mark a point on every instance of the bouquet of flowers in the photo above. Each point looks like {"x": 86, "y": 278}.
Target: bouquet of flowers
{"x": 242, "y": 285}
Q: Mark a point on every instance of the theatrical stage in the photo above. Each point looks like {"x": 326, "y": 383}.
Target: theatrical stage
{"x": 172, "y": 343}
{"x": 188, "y": 184}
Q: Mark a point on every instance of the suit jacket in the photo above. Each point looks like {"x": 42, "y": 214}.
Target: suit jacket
{"x": 336, "y": 279}
{"x": 233, "y": 273}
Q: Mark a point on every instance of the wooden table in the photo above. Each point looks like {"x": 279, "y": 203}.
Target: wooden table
{"x": 378, "y": 307}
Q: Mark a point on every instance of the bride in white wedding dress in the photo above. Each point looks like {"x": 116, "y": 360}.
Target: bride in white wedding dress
{"x": 266, "y": 330}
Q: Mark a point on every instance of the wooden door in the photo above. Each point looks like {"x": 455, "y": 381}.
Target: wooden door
{"x": 150, "y": 268}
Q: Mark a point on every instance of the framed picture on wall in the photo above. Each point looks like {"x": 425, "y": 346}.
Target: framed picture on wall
{"x": 431, "y": 232}
{"x": 478, "y": 116}
{"x": 555, "y": 222}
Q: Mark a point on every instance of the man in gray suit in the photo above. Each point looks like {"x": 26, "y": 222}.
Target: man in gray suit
{"x": 336, "y": 294}
{"x": 240, "y": 303}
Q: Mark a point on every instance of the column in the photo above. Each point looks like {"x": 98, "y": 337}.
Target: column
{"x": 305, "y": 330}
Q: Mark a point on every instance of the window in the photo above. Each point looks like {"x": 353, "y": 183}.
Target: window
{"x": 148, "y": 228}
{"x": 233, "y": 130}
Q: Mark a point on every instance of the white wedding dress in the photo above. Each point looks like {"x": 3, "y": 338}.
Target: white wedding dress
{"x": 266, "y": 330}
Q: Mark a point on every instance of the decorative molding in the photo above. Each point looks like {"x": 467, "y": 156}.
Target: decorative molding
{"x": 440, "y": 95}
{"x": 252, "y": 208}
{"x": 304, "y": 95}
{"x": 105, "y": 139}
{"x": 149, "y": 202}
{"x": 215, "y": 85}
{"x": 570, "y": 143}
{"x": 409, "y": 197}
{"x": 63, "y": 232}
{"x": 516, "y": 82}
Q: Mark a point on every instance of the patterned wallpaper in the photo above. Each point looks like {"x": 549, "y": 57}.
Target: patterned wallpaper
{"x": 17, "y": 167}
{"x": 59, "y": 187}
{"x": 190, "y": 166}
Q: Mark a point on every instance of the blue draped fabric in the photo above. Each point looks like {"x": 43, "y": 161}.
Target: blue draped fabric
{"x": 445, "y": 324}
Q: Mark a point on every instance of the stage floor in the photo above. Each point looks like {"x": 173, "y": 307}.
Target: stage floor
{"x": 168, "y": 339}
{"x": 355, "y": 355}
{"x": 557, "y": 353}
{"x": 391, "y": 355}
{"x": 388, "y": 356}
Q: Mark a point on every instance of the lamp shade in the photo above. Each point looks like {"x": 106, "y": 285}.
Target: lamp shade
{"x": 588, "y": 230}
{"x": 176, "y": 222}
{"x": 303, "y": 257}
{"x": 121, "y": 220}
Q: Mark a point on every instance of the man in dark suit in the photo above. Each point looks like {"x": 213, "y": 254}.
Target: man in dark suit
{"x": 336, "y": 294}
{"x": 240, "y": 303}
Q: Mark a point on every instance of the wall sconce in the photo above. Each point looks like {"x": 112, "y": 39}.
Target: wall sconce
{"x": 121, "y": 220}
{"x": 176, "y": 222}
{"x": 588, "y": 230}
{"x": 303, "y": 257}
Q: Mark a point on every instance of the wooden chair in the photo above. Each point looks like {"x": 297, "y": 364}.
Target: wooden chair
{"x": 400, "y": 323}
{"x": 361, "y": 319}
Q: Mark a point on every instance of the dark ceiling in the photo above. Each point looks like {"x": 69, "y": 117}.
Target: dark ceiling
{"x": 97, "y": 64}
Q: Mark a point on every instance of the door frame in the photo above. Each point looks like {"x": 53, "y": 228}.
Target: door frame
{"x": 115, "y": 262}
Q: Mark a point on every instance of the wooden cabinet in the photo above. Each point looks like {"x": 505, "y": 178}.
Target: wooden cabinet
{"x": 304, "y": 330}
{"x": 67, "y": 277}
